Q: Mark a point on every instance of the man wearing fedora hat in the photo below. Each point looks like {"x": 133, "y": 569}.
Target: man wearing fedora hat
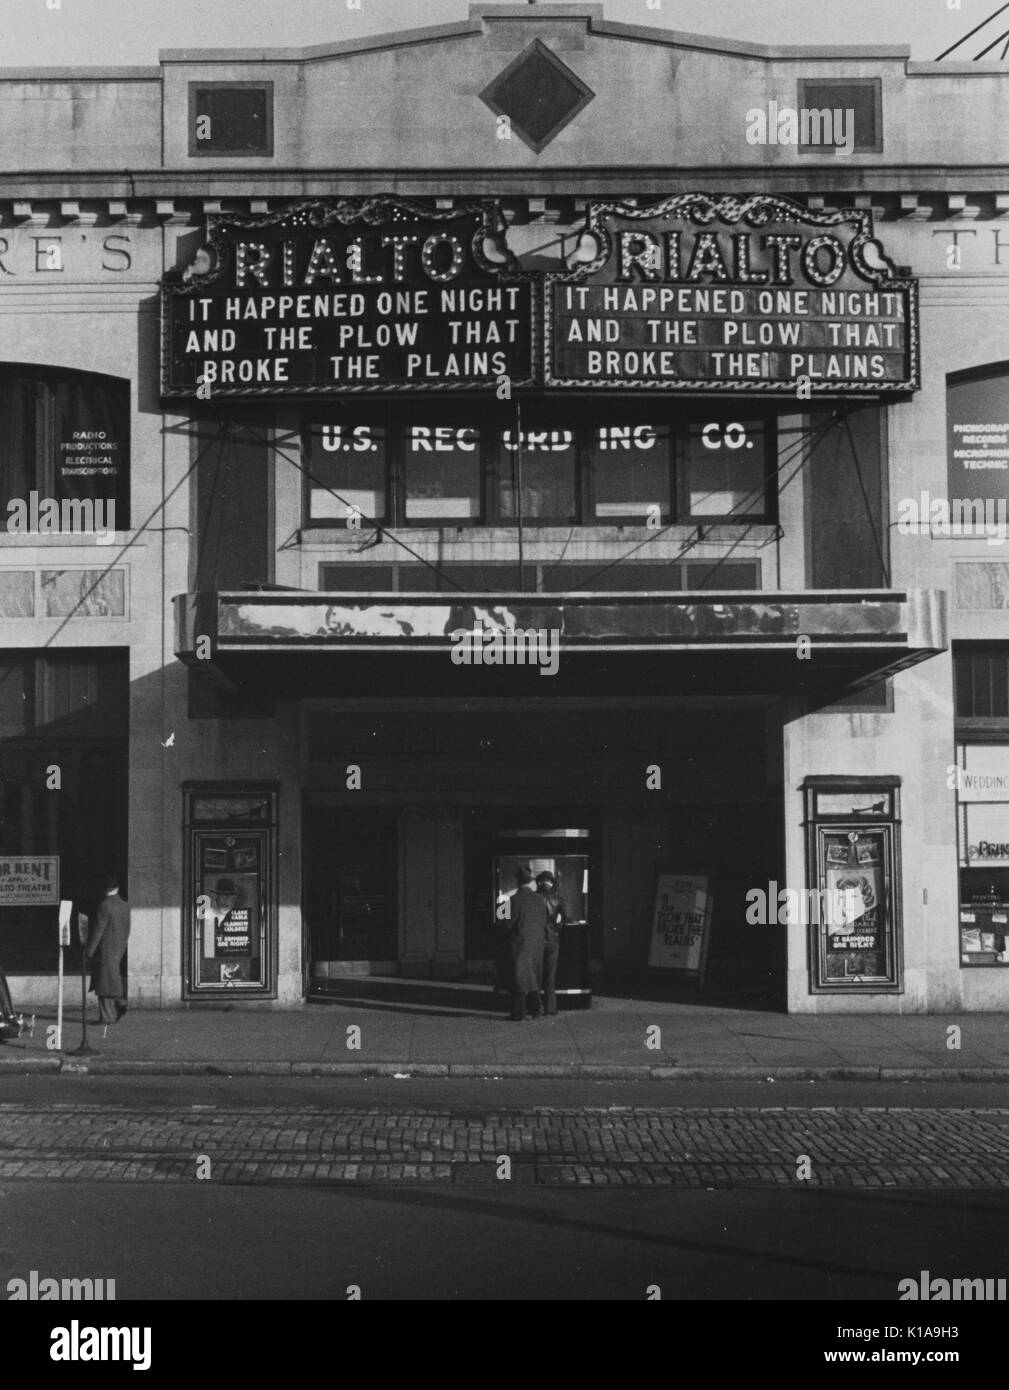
{"x": 107, "y": 948}
{"x": 528, "y": 936}
{"x": 546, "y": 887}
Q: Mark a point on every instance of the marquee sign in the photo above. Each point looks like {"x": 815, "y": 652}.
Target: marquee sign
{"x": 356, "y": 295}
{"x": 757, "y": 295}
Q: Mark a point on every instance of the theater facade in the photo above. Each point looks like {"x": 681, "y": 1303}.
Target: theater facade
{"x": 530, "y": 439}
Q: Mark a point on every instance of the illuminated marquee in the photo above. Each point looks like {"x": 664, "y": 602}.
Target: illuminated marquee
{"x": 757, "y": 295}
{"x": 363, "y": 294}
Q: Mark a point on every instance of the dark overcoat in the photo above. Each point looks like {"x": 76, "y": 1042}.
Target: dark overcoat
{"x": 106, "y": 947}
{"x": 530, "y": 917}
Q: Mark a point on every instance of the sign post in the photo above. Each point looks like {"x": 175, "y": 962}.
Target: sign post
{"x": 66, "y": 908}
{"x": 82, "y": 931}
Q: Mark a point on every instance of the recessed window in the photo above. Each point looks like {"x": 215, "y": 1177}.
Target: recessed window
{"x": 231, "y": 118}
{"x": 347, "y": 472}
{"x": 981, "y": 683}
{"x": 548, "y": 464}
{"x": 982, "y": 787}
{"x": 631, "y": 462}
{"x": 442, "y": 464}
{"x": 538, "y": 94}
{"x": 860, "y": 104}
{"x": 536, "y": 463}
{"x": 65, "y": 458}
{"x": 725, "y": 467}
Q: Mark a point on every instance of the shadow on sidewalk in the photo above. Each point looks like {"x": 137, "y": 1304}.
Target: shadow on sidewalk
{"x": 435, "y": 998}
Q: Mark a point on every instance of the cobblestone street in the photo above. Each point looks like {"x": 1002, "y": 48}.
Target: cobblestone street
{"x": 700, "y": 1148}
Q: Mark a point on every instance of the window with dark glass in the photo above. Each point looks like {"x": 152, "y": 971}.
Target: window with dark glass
{"x": 346, "y": 470}
{"x": 725, "y": 466}
{"x": 69, "y": 709}
{"x": 631, "y": 468}
{"x": 845, "y": 488}
{"x": 977, "y": 446}
{"x": 66, "y": 438}
{"x": 536, "y": 477}
{"x": 550, "y": 463}
{"x": 231, "y": 118}
{"x": 442, "y": 471}
{"x": 861, "y": 97}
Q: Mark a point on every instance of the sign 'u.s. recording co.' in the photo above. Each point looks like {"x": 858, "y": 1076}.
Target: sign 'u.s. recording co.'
{"x": 755, "y": 295}
{"x": 698, "y": 293}
{"x": 362, "y": 294}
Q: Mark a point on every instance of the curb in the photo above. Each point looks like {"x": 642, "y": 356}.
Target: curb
{"x": 585, "y": 1071}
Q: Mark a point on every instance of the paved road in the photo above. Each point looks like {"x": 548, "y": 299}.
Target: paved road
{"x": 637, "y": 1145}
{"x": 316, "y": 1188}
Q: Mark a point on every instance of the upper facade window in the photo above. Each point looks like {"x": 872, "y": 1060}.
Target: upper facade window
{"x": 860, "y": 103}
{"x": 232, "y": 119}
{"x": 65, "y": 462}
{"x": 537, "y": 95}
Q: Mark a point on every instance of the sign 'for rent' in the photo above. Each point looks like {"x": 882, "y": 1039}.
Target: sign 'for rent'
{"x": 29, "y": 880}
{"x": 364, "y": 294}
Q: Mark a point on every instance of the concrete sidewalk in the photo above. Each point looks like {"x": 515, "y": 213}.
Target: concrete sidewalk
{"x": 428, "y": 1029}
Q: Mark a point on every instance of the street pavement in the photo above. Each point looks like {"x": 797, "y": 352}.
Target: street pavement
{"x": 423, "y": 1028}
{"x": 852, "y": 1145}
{"x": 331, "y": 1188}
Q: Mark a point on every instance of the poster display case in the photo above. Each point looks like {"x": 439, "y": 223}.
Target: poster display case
{"x": 853, "y": 867}
{"x": 230, "y": 907}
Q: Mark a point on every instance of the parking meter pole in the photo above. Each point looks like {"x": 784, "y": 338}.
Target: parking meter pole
{"x": 84, "y": 1050}
{"x": 66, "y": 914}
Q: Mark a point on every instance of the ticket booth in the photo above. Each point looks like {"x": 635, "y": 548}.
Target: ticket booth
{"x": 565, "y": 853}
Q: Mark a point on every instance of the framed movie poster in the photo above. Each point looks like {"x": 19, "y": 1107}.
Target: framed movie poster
{"x": 231, "y": 907}
{"x": 853, "y": 854}
{"x": 681, "y": 924}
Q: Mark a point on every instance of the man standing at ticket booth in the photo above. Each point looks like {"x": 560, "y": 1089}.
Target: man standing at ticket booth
{"x": 527, "y": 937}
{"x": 546, "y": 886}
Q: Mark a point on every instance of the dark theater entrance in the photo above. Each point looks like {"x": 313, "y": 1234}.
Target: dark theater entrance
{"x": 405, "y": 878}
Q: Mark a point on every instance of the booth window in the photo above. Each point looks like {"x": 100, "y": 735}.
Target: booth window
{"x": 66, "y": 437}
{"x": 981, "y": 784}
{"x": 231, "y": 118}
{"x": 863, "y": 97}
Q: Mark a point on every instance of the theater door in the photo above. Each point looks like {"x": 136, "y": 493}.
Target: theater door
{"x": 349, "y": 874}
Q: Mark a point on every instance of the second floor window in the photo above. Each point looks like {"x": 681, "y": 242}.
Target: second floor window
{"x": 556, "y": 464}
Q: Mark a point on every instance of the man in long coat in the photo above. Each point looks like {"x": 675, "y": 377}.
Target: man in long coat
{"x": 530, "y": 918}
{"x": 546, "y": 886}
{"x": 106, "y": 947}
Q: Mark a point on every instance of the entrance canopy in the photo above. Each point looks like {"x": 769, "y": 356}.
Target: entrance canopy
{"x": 291, "y": 643}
